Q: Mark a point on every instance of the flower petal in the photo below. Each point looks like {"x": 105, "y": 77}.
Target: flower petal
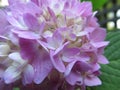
{"x": 42, "y": 65}
{"x": 98, "y": 35}
{"x": 102, "y": 59}
{"x": 74, "y": 78}
{"x": 69, "y": 68}
{"x": 57, "y": 62}
{"x": 31, "y": 21}
{"x": 11, "y": 74}
{"x": 29, "y": 48}
{"x": 16, "y": 57}
{"x": 28, "y": 74}
{"x": 22, "y": 8}
{"x": 94, "y": 81}
{"x": 4, "y": 49}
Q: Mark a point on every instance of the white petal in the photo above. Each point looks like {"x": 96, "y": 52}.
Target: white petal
{"x": 11, "y": 75}
{"x": 16, "y": 57}
{"x": 4, "y": 49}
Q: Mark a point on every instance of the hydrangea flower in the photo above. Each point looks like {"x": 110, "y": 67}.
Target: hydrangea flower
{"x": 51, "y": 45}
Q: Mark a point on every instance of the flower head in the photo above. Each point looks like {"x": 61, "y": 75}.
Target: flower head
{"x": 52, "y": 39}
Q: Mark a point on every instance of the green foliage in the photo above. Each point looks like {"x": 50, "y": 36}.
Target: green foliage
{"x": 16, "y": 88}
{"x": 111, "y": 72}
{"x": 97, "y": 4}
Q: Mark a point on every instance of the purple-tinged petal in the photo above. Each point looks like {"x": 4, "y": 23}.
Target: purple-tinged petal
{"x": 39, "y": 58}
{"x": 4, "y": 38}
{"x": 88, "y": 47}
{"x": 74, "y": 78}
{"x": 55, "y": 42}
{"x": 11, "y": 2}
{"x": 36, "y": 2}
{"x": 42, "y": 26}
{"x": 95, "y": 67}
{"x": 11, "y": 74}
{"x": 52, "y": 14}
{"x": 89, "y": 29}
{"x": 28, "y": 74}
{"x": 83, "y": 57}
{"x": 31, "y": 21}
{"x": 71, "y": 51}
{"x": 100, "y": 44}
{"x": 44, "y": 45}
{"x": 57, "y": 62}
{"x": 102, "y": 59}
{"x": 69, "y": 68}
{"x": 82, "y": 66}
{"x": 42, "y": 65}
{"x": 92, "y": 22}
{"x": 92, "y": 81}
{"x": 51, "y": 43}
{"x": 98, "y": 35}
{"x": 29, "y": 48}
{"x": 57, "y": 6}
{"x": 22, "y": 8}
{"x": 69, "y": 54}
{"x": 86, "y": 7}
{"x": 17, "y": 23}
{"x": 3, "y": 22}
{"x": 26, "y": 34}
{"x": 60, "y": 48}
{"x": 57, "y": 38}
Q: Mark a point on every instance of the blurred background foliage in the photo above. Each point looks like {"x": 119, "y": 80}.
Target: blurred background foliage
{"x": 108, "y": 13}
{"x": 97, "y": 4}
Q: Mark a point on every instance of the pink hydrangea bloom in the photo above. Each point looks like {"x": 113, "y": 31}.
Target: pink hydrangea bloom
{"x": 51, "y": 45}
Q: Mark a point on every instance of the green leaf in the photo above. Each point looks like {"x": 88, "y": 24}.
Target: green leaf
{"x": 111, "y": 73}
{"x": 97, "y": 4}
{"x": 16, "y": 88}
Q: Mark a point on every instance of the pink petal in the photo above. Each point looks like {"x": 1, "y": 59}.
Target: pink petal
{"x": 29, "y": 49}
{"x": 98, "y": 35}
{"x": 69, "y": 68}
{"x": 28, "y": 74}
{"x": 95, "y": 67}
{"x": 100, "y": 44}
{"x": 42, "y": 65}
{"x": 28, "y": 35}
{"x": 3, "y": 22}
{"x": 22, "y": 8}
{"x": 16, "y": 23}
{"x": 74, "y": 78}
{"x": 57, "y": 62}
{"x": 11, "y": 2}
{"x": 86, "y": 8}
{"x": 94, "y": 81}
{"x": 31, "y": 21}
{"x": 102, "y": 59}
{"x": 60, "y": 48}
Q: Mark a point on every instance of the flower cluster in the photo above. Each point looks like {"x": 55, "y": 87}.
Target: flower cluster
{"x": 55, "y": 44}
